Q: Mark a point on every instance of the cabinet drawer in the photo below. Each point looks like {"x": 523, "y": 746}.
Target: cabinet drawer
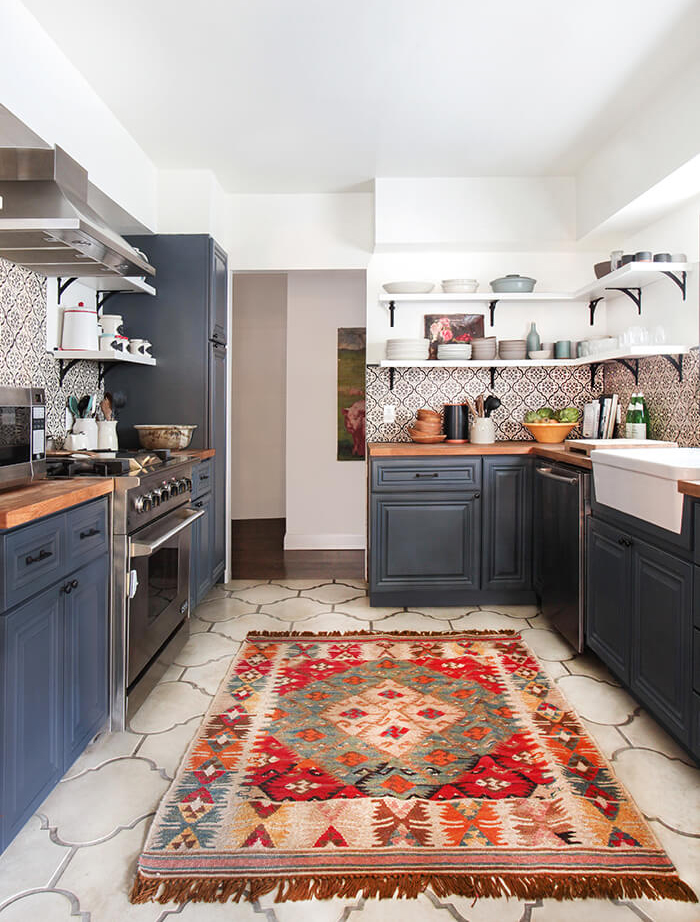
{"x": 86, "y": 532}
{"x": 201, "y": 478}
{"x": 419, "y": 474}
{"x": 35, "y": 557}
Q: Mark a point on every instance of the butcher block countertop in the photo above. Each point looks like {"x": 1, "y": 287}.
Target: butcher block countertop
{"x": 690, "y": 488}
{"x": 441, "y": 450}
{"x": 17, "y": 507}
{"x": 201, "y": 454}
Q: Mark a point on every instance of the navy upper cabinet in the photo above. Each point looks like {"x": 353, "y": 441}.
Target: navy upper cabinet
{"x": 507, "y": 523}
{"x": 218, "y": 299}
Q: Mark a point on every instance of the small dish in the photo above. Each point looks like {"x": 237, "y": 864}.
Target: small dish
{"x": 541, "y": 354}
{"x": 408, "y": 288}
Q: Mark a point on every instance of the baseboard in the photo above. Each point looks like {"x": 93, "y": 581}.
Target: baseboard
{"x": 324, "y": 542}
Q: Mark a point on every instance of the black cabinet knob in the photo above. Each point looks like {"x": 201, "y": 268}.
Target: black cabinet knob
{"x": 42, "y": 555}
{"x": 477, "y": 495}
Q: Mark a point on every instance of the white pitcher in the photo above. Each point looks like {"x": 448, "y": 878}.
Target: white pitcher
{"x": 107, "y": 435}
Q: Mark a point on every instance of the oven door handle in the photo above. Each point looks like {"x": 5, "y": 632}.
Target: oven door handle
{"x": 145, "y": 549}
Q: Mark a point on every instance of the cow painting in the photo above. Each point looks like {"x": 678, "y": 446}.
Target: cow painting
{"x": 351, "y": 394}
{"x": 354, "y": 418}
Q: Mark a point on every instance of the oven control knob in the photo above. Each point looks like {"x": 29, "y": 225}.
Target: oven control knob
{"x": 172, "y": 488}
{"x": 188, "y": 484}
{"x": 181, "y": 486}
{"x": 154, "y": 497}
{"x": 142, "y": 504}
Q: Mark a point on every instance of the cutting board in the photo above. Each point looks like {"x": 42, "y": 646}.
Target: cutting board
{"x": 586, "y": 446}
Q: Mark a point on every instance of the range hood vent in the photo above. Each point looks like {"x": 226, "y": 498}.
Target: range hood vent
{"x": 47, "y": 225}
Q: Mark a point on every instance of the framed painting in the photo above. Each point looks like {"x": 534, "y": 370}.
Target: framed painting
{"x": 351, "y": 393}
{"x": 452, "y": 328}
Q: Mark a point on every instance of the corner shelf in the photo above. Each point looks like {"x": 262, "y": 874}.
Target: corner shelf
{"x": 67, "y": 358}
{"x": 108, "y": 285}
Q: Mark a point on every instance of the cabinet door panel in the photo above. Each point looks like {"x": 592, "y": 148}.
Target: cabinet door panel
{"x": 608, "y": 597}
{"x": 31, "y": 655}
{"x": 200, "y": 550}
{"x": 86, "y": 657}
{"x": 662, "y": 633}
{"x": 218, "y": 294}
{"x": 507, "y": 523}
{"x": 425, "y": 542}
{"x": 217, "y": 409}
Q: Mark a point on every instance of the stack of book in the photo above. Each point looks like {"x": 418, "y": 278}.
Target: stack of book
{"x": 600, "y": 417}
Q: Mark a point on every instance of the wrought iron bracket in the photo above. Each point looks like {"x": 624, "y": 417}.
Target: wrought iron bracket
{"x": 677, "y": 363}
{"x": 592, "y": 304}
{"x": 102, "y": 297}
{"x": 63, "y": 284}
{"x": 594, "y": 366}
{"x": 391, "y": 378}
{"x": 63, "y": 369}
{"x": 392, "y": 308}
{"x": 634, "y": 294}
{"x": 680, "y": 281}
{"x": 493, "y": 377}
{"x": 492, "y": 310}
{"x": 631, "y": 365}
{"x": 103, "y": 369}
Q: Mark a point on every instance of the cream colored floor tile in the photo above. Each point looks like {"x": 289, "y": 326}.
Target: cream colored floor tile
{"x": 485, "y": 621}
{"x": 516, "y": 611}
{"x": 582, "y": 911}
{"x": 309, "y": 910}
{"x": 331, "y": 621}
{"x": 296, "y": 609}
{"x": 355, "y": 583}
{"x": 547, "y": 645}
{"x": 263, "y": 595}
{"x": 297, "y": 584}
{"x": 597, "y": 701}
{"x": 97, "y": 803}
{"x": 102, "y": 876}
{"x": 168, "y": 705}
{"x": 201, "y": 648}
{"x": 662, "y": 788}
{"x": 418, "y": 910}
{"x": 30, "y": 860}
{"x": 553, "y": 668}
{"x": 220, "y": 912}
{"x": 645, "y": 733}
{"x": 209, "y": 676}
{"x": 589, "y": 664}
{"x": 106, "y": 746}
{"x": 410, "y": 621}
{"x": 39, "y": 907}
{"x": 483, "y": 910}
{"x": 333, "y": 593}
{"x": 239, "y": 627}
{"x": 216, "y": 592}
{"x": 541, "y": 621}
{"x": 233, "y": 585}
{"x": 447, "y": 613}
{"x": 360, "y": 608}
{"x": 172, "y": 673}
{"x": 224, "y": 609}
{"x": 167, "y": 749}
{"x": 684, "y": 852}
{"x": 607, "y": 738}
{"x": 197, "y": 626}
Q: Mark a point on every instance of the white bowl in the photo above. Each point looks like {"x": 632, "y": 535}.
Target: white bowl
{"x": 541, "y": 354}
{"x": 408, "y": 288}
{"x": 460, "y": 286}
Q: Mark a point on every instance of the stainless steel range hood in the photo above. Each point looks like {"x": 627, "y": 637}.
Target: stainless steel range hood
{"x": 47, "y": 225}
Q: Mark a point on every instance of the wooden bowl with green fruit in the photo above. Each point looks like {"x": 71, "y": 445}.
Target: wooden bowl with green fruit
{"x": 551, "y": 426}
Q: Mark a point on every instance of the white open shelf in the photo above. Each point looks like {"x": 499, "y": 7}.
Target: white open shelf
{"x": 480, "y": 297}
{"x": 125, "y": 284}
{"x": 86, "y": 355}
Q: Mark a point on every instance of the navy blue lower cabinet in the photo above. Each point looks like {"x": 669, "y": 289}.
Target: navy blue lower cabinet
{"x": 86, "y": 703}
{"x": 507, "y": 524}
{"x": 31, "y": 708}
{"x": 608, "y": 595}
{"x": 201, "y": 575}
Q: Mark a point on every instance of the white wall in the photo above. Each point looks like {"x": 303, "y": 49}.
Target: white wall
{"x": 258, "y": 404}
{"x": 192, "y": 202}
{"x": 325, "y": 497}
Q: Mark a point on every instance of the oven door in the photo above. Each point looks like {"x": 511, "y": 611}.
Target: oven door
{"x": 158, "y": 586}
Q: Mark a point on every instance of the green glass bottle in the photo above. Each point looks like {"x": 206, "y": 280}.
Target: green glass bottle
{"x": 635, "y": 426}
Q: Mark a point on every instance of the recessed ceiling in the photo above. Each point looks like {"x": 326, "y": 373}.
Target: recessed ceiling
{"x": 323, "y": 95}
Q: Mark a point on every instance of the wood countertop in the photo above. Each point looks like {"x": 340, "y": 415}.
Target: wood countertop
{"x": 201, "y": 454}
{"x": 441, "y": 450}
{"x": 17, "y": 507}
{"x": 689, "y": 488}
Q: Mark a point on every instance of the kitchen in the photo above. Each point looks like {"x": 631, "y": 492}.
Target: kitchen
{"x": 486, "y": 535}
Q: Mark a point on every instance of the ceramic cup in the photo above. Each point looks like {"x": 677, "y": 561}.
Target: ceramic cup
{"x": 111, "y": 323}
{"x": 75, "y": 442}
{"x": 108, "y": 342}
{"x": 146, "y": 347}
{"x": 88, "y": 427}
{"x": 107, "y": 435}
{"x": 120, "y": 343}
{"x": 562, "y": 349}
{"x": 136, "y": 346}
{"x": 482, "y": 431}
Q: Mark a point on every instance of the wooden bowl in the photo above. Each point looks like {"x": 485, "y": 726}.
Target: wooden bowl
{"x": 425, "y": 437}
{"x": 427, "y": 414}
{"x": 432, "y": 427}
{"x": 550, "y": 433}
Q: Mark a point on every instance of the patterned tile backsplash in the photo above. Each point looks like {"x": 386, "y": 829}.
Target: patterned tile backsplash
{"x": 24, "y": 359}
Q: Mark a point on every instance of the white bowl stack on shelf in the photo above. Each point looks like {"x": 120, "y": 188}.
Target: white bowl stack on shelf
{"x": 459, "y": 286}
{"x": 454, "y": 352}
{"x": 407, "y": 350}
{"x": 483, "y": 350}
{"x": 513, "y": 349}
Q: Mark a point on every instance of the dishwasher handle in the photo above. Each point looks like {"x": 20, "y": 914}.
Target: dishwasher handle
{"x": 550, "y": 475}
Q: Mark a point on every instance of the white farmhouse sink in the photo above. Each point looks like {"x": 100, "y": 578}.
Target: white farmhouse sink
{"x": 644, "y": 481}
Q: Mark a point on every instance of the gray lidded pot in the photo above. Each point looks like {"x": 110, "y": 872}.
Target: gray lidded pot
{"x": 513, "y": 283}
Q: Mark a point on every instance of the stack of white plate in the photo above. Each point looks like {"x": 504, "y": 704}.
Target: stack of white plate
{"x": 513, "y": 349}
{"x": 484, "y": 349}
{"x": 455, "y": 352}
{"x": 459, "y": 286}
{"x": 407, "y": 350}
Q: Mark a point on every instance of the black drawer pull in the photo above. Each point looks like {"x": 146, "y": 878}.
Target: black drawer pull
{"x": 625, "y": 542}
{"x": 204, "y": 477}
{"x": 69, "y": 587}
{"x": 434, "y": 474}
{"x": 199, "y": 504}
{"x": 42, "y": 555}
{"x": 90, "y": 533}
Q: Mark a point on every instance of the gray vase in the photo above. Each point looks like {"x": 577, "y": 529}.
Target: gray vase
{"x": 533, "y": 340}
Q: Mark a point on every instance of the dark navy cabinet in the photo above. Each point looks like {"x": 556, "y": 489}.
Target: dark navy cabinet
{"x": 201, "y": 574}
{"x": 53, "y": 654}
{"x": 608, "y": 594}
{"x": 450, "y": 531}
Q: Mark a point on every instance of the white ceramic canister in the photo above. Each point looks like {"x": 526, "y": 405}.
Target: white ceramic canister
{"x": 75, "y": 441}
{"x": 88, "y": 427}
{"x": 111, "y": 323}
{"x": 80, "y": 328}
{"x": 136, "y": 346}
{"x": 107, "y": 439}
{"x": 482, "y": 431}
{"x": 120, "y": 343}
{"x": 108, "y": 342}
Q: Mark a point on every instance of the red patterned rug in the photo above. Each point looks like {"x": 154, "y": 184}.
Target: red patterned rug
{"x": 382, "y": 764}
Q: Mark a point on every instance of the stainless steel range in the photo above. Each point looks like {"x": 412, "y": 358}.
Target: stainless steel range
{"x": 151, "y": 519}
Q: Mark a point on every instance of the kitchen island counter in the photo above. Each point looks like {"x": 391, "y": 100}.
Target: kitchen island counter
{"x": 441, "y": 450}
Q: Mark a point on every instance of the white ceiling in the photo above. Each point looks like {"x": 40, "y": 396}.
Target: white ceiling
{"x": 323, "y": 95}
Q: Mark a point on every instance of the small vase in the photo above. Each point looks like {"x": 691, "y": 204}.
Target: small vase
{"x": 533, "y": 339}
{"x": 107, "y": 435}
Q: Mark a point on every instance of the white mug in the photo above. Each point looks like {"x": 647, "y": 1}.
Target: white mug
{"x": 88, "y": 427}
{"x": 75, "y": 441}
{"x": 111, "y": 323}
{"x": 482, "y": 430}
{"x": 108, "y": 342}
{"x": 136, "y": 346}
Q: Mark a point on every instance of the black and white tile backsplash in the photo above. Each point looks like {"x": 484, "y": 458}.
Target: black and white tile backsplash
{"x": 24, "y": 360}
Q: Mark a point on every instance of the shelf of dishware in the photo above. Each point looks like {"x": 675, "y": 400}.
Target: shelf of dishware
{"x": 596, "y": 358}
{"x": 87, "y": 355}
{"x": 121, "y": 283}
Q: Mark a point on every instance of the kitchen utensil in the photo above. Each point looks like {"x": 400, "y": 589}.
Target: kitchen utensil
{"x": 80, "y": 328}
{"x": 89, "y": 429}
{"x": 106, "y": 406}
{"x": 490, "y": 404}
{"x": 562, "y": 349}
{"x": 107, "y": 435}
{"x": 482, "y": 431}
{"x": 662, "y": 257}
{"x": 456, "y": 422}
{"x": 112, "y": 323}
{"x": 408, "y": 288}
{"x": 602, "y": 269}
{"x": 82, "y": 405}
{"x": 73, "y": 406}
{"x": 175, "y": 437}
{"x": 480, "y": 405}
{"x": 146, "y": 348}
{"x": 121, "y": 343}
{"x": 513, "y": 283}
{"x": 549, "y": 433}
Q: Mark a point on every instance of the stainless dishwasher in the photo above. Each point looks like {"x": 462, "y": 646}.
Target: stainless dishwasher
{"x": 562, "y": 504}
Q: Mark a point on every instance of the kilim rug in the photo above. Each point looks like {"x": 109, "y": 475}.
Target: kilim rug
{"x": 382, "y": 764}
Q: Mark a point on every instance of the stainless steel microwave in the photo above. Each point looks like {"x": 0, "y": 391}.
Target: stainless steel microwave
{"x": 22, "y": 435}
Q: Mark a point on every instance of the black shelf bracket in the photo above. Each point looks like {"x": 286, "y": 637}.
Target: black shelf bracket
{"x": 594, "y": 366}
{"x": 103, "y": 370}
{"x": 63, "y": 369}
{"x": 631, "y": 365}
{"x": 63, "y": 284}
{"x": 677, "y": 363}
{"x": 493, "y": 377}
{"x": 492, "y": 310}
{"x": 592, "y": 304}
{"x": 680, "y": 281}
{"x": 102, "y": 297}
{"x": 634, "y": 294}
{"x": 392, "y": 308}
{"x": 391, "y": 378}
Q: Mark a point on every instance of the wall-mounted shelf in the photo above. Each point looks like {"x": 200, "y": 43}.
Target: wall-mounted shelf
{"x": 106, "y": 286}
{"x": 491, "y": 299}
{"x": 67, "y": 358}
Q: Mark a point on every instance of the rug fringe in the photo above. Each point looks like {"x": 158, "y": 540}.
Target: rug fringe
{"x": 505, "y": 632}
{"x": 409, "y": 886}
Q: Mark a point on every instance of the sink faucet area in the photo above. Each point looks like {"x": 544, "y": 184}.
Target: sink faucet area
{"x": 643, "y": 482}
